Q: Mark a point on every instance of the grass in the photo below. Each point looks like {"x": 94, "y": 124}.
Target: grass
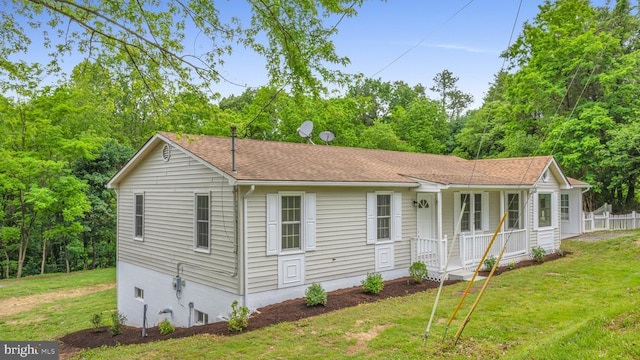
{"x": 585, "y": 305}
{"x": 39, "y": 284}
{"x": 54, "y": 317}
{"x": 53, "y": 320}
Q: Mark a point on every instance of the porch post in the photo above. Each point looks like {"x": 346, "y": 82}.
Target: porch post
{"x": 502, "y": 197}
{"x": 439, "y": 220}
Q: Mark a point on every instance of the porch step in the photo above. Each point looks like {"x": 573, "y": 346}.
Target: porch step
{"x": 464, "y": 275}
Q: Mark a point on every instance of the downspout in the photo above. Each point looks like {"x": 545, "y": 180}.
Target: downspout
{"x": 245, "y": 245}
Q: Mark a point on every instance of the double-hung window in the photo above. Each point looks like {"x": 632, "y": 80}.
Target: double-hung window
{"x": 513, "y": 211}
{"x": 202, "y": 222}
{"x": 138, "y": 217}
{"x": 291, "y": 222}
{"x": 475, "y": 215}
{"x": 383, "y": 217}
{"x": 564, "y": 207}
{"x": 473, "y": 205}
{"x": 544, "y": 210}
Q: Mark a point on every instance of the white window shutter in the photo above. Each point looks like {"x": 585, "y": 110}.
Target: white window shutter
{"x": 273, "y": 220}
{"x": 485, "y": 211}
{"x": 310, "y": 221}
{"x": 535, "y": 211}
{"x": 372, "y": 214}
{"x": 397, "y": 216}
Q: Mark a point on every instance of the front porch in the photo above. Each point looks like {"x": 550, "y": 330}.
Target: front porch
{"x": 434, "y": 252}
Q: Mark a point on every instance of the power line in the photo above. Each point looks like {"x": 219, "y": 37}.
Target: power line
{"x": 422, "y": 40}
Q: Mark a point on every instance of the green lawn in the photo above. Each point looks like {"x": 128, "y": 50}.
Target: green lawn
{"x": 55, "y": 316}
{"x": 39, "y": 284}
{"x": 583, "y": 306}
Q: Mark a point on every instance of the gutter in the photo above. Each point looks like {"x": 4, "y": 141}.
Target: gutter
{"x": 245, "y": 245}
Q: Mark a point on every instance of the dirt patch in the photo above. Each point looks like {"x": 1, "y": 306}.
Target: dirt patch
{"x": 16, "y": 305}
{"x": 363, "y": 338}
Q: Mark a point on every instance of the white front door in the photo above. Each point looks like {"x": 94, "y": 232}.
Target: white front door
{"x": 426, "y": 210}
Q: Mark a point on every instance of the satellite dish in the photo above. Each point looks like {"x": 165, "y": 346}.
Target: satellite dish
{"x": 326, "y": 136}
{"x": 305, "y": 130}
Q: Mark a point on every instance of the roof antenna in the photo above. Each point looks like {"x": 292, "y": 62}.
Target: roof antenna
{"x": 233, "y": 148}
{"x": 305, "y": 130}
{"x": 326, "y": 136}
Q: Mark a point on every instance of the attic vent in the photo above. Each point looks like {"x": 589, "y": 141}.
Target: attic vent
{"x": 545, "y": 176}
{"x": 166, "y": 152}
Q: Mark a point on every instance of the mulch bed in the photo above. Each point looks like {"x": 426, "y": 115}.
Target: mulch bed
{"x": 290, "y": 310}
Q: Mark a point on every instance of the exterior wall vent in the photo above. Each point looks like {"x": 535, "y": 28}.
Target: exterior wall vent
{"x": 166, "y": 152}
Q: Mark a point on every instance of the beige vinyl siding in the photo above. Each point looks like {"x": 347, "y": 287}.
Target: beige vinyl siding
{"x": 402, "y": 249}
{"x": 552, "y": 185}
{"x": 263, "y": 270}
{"x": 341, "y": 248}
{"x": 341, "y": 237}
{"x": 169, "y": 194}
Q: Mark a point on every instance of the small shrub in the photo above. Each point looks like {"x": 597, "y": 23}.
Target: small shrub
{"x": 238, "y": 318}
{"x": 117, "y": 321}
{"x": 316, "y": 295}
{"x": 490, "y": 262}
{"x": 418, "y": 272}
{"x": 537, "y": 253}
{"x": 373, "y": 283}
{"x": 166, "y": 327}
{"x": 512, "y": 264}
{"x": 96, "y": 322}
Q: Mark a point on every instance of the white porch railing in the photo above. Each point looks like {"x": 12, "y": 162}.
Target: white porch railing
{"x": 608, "y": 221}
{"x": 431, "y": 252}
{"x": 473, "y": 246}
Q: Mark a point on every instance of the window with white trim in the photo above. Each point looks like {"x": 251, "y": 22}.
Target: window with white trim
{"x": 138, "y": 293}
{"x": 476, "y": 204}
{"x": 564, "y": 207}
{"x": 291, "y": 222}
{"x": 202, "y": 221}
{"x": 544, "y": 210}
{"x": 201, "y": 318}
{"x": 384, "y": 216}
{"x": 513, "y": 211}
{"x": 138, "y": 216}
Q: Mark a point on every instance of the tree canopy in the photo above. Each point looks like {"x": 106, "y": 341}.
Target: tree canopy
{"x": 570, "y": 90}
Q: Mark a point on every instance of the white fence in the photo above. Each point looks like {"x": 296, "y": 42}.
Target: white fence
{"x": 431, "y": 252}
{"x": 472, "y": 247}
{"x": 608, "y": 221}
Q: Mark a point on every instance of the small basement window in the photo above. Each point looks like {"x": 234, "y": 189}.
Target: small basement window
{"x": 138, "y": 293}
{"x": 201, "y": 317}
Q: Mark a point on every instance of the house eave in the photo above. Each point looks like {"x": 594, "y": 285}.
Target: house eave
{"x": 327, "y": 183}
{"x": 494, "y": 187}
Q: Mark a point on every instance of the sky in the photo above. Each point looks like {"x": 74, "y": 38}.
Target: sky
{"x": 405, "y": 40}
{"x": 412, "y": 41}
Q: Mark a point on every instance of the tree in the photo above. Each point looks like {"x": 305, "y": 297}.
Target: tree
{"x": 292, "y": 36}
{"x": 423, "y": 126}
{"x": 452, "y": 100}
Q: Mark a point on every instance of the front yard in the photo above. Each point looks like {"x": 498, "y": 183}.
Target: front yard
{"x": 585, "y": 304}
